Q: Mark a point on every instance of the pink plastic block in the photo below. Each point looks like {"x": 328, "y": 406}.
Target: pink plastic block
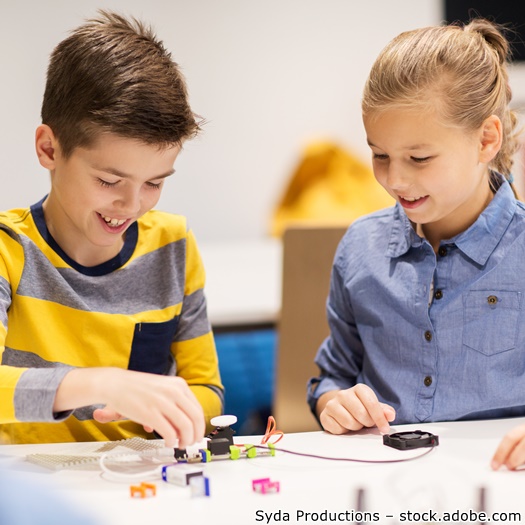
{"x": 265, "y": 486}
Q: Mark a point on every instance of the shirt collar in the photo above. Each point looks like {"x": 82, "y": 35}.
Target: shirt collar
{"x": 477, "y": 242}
{"x": 402, "y": 235}
{"x": 130, "y": 242}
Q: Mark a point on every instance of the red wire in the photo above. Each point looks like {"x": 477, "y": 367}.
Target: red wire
{"x": 271, "y": 431}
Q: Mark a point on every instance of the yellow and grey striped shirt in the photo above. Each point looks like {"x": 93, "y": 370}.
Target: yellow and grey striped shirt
{"x": 143, "y": 310}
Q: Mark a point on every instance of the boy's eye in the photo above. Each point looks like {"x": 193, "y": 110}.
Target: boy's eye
{"x": 153, "y": 185}
{"x": 106, "y": 184}
{"x": 420, "y": 159}
{"x": 380, "y": 156}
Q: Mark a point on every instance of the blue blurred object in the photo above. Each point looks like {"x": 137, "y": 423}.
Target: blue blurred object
{"x": 247, "y": 366}
{"x": 25, "y": 501}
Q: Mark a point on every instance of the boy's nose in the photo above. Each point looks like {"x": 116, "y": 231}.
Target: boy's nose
{"x": 128, "y": 202}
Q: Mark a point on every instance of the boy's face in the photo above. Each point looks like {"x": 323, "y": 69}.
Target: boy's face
{"x": 98, "y": 192}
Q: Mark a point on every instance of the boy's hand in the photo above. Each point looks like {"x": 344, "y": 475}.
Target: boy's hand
{"x": 511, "y": 450}
{"x": 353, "y": 409}
{"x": 161, "y": 403}
{"x": 107, "y": 415}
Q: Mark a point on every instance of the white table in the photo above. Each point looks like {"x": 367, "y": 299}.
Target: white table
{"x": 243, "y": 281}
{"x": 445, "y": 480}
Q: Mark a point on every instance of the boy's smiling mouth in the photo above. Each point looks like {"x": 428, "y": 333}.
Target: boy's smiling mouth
{"x": 114, "y": 223}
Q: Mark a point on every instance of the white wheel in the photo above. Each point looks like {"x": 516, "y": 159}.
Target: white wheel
{"x": 223, "y": 421}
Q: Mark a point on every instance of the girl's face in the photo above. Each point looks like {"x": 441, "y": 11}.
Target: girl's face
{"x": 438, "y": 174}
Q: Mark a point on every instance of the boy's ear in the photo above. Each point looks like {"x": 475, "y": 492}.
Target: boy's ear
{"x": 46, "y": 146}
{"x": 490, "y": 140}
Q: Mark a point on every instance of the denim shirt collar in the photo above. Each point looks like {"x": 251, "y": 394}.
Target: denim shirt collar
{"x": 477, "y": 242}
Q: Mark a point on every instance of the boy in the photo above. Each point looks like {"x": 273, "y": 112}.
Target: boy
{"x": 103, "y": 327}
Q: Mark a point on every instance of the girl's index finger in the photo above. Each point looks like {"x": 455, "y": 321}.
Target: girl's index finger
{"x": 502, "y": 453}
{"x": 374, "y": 408}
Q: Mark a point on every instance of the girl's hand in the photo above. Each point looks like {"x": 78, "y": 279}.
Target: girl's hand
{"x": 353, "y": 409}
{"x": 511, "y": 450}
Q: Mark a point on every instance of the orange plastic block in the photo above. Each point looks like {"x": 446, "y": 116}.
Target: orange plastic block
{"x": 144, "y": 490}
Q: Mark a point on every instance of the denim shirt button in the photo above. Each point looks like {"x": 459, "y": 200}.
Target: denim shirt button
{"x": 438, "y": 294}
{"x": 428, "y": 335}
{"x": 428, "y": 381}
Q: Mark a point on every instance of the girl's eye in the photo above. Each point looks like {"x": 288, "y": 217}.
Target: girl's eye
{"x": 420, "y": 159}
{"x": 380, "y": 157}
{"x": 107, "y": 184}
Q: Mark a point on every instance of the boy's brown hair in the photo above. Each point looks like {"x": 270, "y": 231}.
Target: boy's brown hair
{"x": 112, "y": 75}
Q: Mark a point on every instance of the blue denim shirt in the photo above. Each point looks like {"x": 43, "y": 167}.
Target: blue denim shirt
{"x": 437, "y": 336}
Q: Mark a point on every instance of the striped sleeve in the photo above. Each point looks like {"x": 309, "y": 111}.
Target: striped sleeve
{"x": 25, "y": 394}
{"x": 9, "y": 376}
{"x": 194, "y": 346}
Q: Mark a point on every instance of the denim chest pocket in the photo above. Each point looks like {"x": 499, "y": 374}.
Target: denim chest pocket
{"x": 491, "y": 320}
{"x": 151, "y": 347}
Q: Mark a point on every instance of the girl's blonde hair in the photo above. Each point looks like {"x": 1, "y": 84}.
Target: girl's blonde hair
{"x": 459, "y": 71}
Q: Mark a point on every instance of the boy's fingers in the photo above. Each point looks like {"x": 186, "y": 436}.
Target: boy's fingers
{"x": 193, "y": 409}
{"x": 106, "y": 415}
{"x": 194, "y": 417}
{"x": 187, "y": 424}
{"x": 181, "y": 426}
{"x": 183, "y": 421}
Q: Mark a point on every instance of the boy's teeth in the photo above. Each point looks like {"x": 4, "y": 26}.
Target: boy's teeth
{"x": 411, "y": 199}
{"x": 113, "y": 222}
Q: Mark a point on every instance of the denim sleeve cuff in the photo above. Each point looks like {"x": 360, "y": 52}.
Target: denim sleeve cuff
{"x": 318, "y": 386}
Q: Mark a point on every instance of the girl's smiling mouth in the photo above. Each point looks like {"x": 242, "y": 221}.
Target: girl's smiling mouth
{"x": 412, "y": 202}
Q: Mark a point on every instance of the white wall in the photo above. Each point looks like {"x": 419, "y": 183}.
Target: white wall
{"x": 269, "y": 76}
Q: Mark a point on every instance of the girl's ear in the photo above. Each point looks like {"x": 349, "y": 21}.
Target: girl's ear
{"x": 490, "y": 139}
{"x": 45, "y": 145}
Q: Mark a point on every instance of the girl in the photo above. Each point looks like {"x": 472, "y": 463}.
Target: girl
{"x": 425, "y": 306}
